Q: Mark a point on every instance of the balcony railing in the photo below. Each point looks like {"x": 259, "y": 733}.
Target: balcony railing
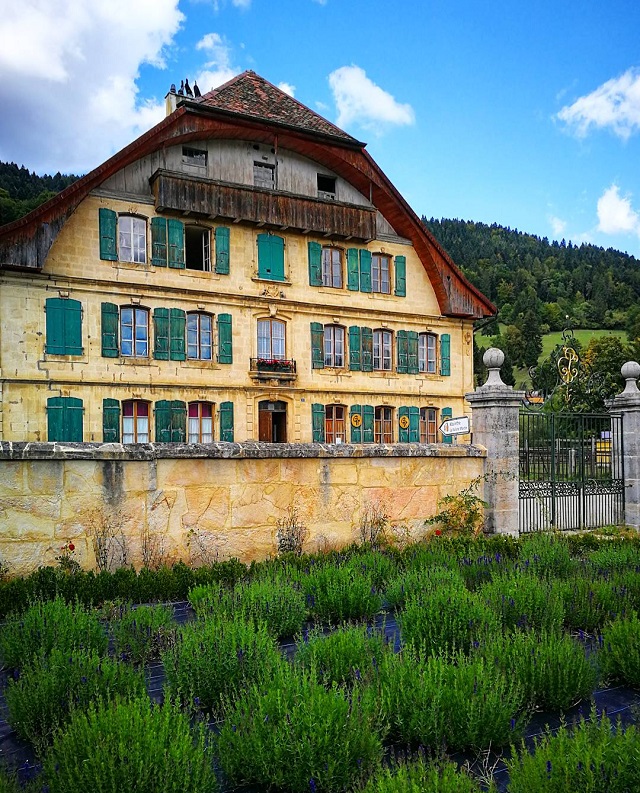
{"x": 273, "y": 366}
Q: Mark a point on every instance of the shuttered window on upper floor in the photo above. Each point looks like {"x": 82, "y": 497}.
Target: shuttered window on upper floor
{"x": 63, "y": 326}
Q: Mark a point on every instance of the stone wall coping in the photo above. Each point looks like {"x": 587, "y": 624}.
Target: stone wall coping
{"x": 10, "y": 450}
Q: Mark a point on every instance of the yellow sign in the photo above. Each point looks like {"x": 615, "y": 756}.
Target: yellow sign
{"x": 404, "y": 422}
{"x": 356, "y": 420}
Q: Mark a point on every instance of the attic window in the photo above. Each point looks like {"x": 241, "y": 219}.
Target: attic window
{"x": 264, "y": 175}
{"x": 194, "y": 156}
{"x": 326, "y": 187}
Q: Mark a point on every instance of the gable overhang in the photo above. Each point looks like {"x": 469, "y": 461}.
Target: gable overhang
{"x": 25, "y": 243}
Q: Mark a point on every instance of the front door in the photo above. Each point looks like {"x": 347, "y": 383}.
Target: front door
{"x": 272, "y": 421}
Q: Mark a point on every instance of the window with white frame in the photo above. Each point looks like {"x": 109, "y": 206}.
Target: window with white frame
{"x": 134, "y": 332}
{"x": 135, "y": 421}
{"x": 382, "y": 345}
{"x": 271, "y": 340}
{"x": 200, "y": 428}
{"x": 380, "y": 273}
{"x": 132, "y": 239}
{"x": 333, "y": 346}
{"x": 332, "y": 267}
{"x": 199, "y": 336}
{"x": 427, "y": 353}
{"x": 383, "y": 427}
{"x": 428, "y": 425}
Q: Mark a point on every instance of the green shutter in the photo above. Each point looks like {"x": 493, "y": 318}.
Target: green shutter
{"x": 64, "y": 419}
{"x": 353, "y": 271}
{"x": 73, "y": 327}
{"x": 368, "y": 416}
{"x": 177, "y": 326}
{"x": 403, "y": 352}
{"x": 175, "y": 234}
{"x": 414, "y": 425}
{"x": 317, "y": 415}
{"x": 163, "y": 421}
{"x": 403, "y": 432}
{"x": 178, "y": 421}
{"x": 55, "y": 320}
{"x": 159, "y": 242}
{"x": 226, "y": 421}
{"x": 355, "y": 356}
{"x": 225, "y": 344}
{"x": 110, "y": 321}
{"x": 446, "y": 413}
{"x": 315, "y": 263}
{"x": 367, "y": 349}
{"x": 108, "y": 230}
{"x": 356, "y": 432}
{"x": 55, "y": 419}
{"x": 445, "y": 354}
{"x": 365, "y": 271}
{"x": 401, "y": 276}
{"x": 161, "y": 334}
{"x": 111, "y": 421}
{"x": 412, "y": 352}
{"x": 317, "y": 345}
{"x": 271, "y": 257}
{"x": 222, "y": 250}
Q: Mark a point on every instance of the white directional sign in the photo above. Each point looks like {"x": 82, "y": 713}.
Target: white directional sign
{"x": 459, "y": 426}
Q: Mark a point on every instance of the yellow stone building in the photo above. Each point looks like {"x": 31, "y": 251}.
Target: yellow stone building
{"x": 243, "y": 271}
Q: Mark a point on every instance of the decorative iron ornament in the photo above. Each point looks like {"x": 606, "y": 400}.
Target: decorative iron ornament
{"x": 567, "y": 376}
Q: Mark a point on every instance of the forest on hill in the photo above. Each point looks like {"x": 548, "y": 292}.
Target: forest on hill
{"x": 22, "y": 190}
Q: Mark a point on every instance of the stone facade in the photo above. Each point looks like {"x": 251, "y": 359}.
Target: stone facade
{"x": 230, "y": 495}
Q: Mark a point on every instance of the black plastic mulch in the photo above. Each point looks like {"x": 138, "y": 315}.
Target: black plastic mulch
{"x": 617, "y": 702}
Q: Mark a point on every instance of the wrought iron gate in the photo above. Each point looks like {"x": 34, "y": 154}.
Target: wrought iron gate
{"x": 571, "y": 471}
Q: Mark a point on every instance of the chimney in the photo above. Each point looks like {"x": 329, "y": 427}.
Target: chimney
{"x": 170, "y": 100}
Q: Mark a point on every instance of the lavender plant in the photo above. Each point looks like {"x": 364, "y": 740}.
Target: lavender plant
{"x": 46, "y": 693}
{"x": 449, "y": 618}
{"x": 130, "y": 745}
{"x": 296, "y": 735}
{"x": 620, "y": 650}
{"x": 552, "y": 668}
{"x": 418, "y": 775}
{"x": 49, "y": 625}
{"x": 141, "y": 634}
{"x": 348, "y": 655}
{"x": 524, "y": 601}
{"x": 338, "y": 594}
{"x": 218, "y": 658}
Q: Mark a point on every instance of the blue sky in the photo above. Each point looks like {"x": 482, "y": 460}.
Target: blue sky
{"x": 522, "y": 114}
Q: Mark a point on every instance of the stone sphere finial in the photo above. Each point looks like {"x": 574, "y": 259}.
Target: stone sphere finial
{"x": 493, "y": 360}
{"x": 631, "y": 372}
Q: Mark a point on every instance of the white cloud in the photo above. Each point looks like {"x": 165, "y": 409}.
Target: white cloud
{"x": 615, "y": 213}
{"x": 614, "y": 105}
{"x": 241, "y": 3}
{"x": 558, "y": 226}
{"x": 68, "y": 71}
{"x": 287, "y": 88}
{"x": 218, "y": 67}
{"x": 361, "y": 101}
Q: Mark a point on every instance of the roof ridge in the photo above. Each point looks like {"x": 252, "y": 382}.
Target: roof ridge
{"x": 250, "y": 94}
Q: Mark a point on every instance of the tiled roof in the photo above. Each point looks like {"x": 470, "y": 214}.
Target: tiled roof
{"x": 251, "y": 95}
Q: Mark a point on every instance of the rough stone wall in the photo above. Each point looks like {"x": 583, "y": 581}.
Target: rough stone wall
{"x": 223, "y": 499}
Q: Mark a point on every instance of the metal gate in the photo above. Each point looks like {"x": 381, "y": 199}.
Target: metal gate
{"x": 571, "y": 471}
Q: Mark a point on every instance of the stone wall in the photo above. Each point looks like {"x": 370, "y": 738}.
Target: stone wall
{"x": 220, "y": 498}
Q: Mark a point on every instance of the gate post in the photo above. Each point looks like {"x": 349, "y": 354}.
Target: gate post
{"x": 495, "y": 409}
{"x": 628, "y": 404}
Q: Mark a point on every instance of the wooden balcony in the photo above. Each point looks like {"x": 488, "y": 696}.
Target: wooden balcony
{"x": 189, "y": 195}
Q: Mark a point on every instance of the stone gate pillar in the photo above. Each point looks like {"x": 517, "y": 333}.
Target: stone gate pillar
{"x": 628, "y": 404}
{"x": 495, "y": 409}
